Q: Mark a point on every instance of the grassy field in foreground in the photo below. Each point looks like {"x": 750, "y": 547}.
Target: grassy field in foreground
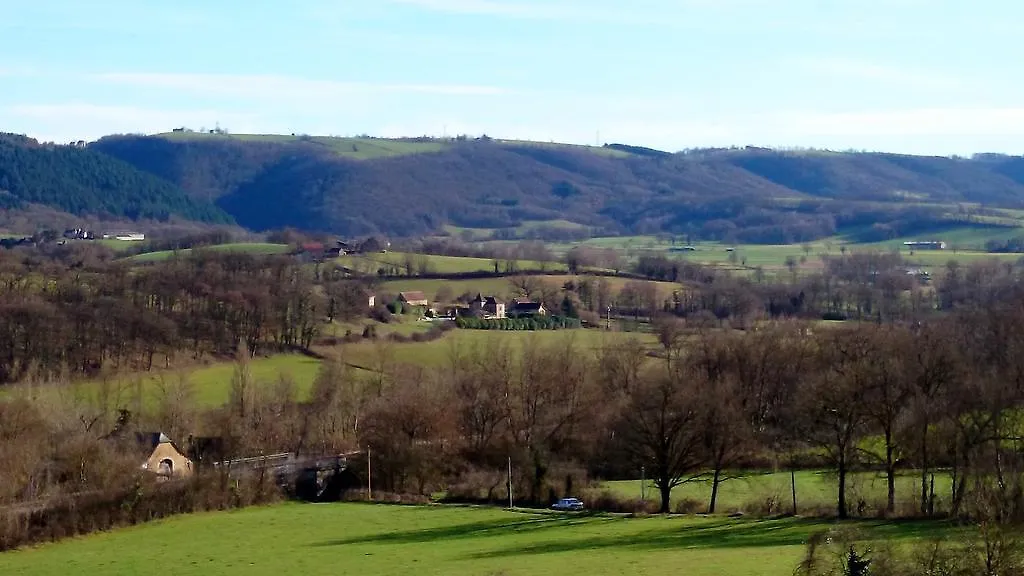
{"x": 374, "y": 540}
{"x": 814, "y": 490}
{"x": 244, "y": 247}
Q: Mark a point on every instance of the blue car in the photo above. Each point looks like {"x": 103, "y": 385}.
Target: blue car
{"x": 568, "y": 505}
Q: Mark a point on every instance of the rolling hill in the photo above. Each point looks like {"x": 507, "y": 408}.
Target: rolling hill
{"x": 411, "y": 187}
{"x": 81, "y": 181}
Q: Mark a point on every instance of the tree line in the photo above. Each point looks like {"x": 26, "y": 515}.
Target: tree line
{"x": 83, "y": 315}
{"x": 83, "y": 181}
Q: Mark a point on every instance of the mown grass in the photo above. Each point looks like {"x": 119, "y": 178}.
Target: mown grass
{"x": 815, "y": 490}
{"x": 370, "y": 540}
{"x": 243, "y": 247}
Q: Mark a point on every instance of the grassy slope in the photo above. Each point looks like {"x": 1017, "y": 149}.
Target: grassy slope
{"x": 814, "y": 490}
{"x": 774, "y": 256}
{"x": 211, "y": 384}
{"x": 439, "y": 264}
{"x": 594, "y": 149}
{"x": 438, "y": 352}
{"x": 246, "y": 247}
{"x": 501, "y": 286}
{"x": 355, "y": 148}
{"x": 384, "y": 540}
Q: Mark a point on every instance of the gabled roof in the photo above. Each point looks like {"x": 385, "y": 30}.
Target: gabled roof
{"x": 150, "y": 440}
{"x": 491, "y": 300}
{"x": 523, "y": 306}
{"x": 412, "y": 296}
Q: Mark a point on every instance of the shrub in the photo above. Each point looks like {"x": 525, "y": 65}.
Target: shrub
{"x": 607, "y": 501}
{"x": 764, "y": 505}
{"x": 382, "y": 314}
{"x": 483, "y": 486}
{"x": 689, "y": 506}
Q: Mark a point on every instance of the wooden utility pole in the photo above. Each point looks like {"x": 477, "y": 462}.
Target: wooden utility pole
{"x": 369, "y": 477}
{"x": 510, "y": 483}
{"x": 643, "y": 483}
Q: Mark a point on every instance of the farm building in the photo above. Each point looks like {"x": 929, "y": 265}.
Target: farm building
{"x": 414, "y": 298}
{"x": 527, "y": 308}
{"x": 925, "y": 245}
{"x": 162, "y": 456}
{"x": 126, "y": 236}
{"x": 488, "y": 306}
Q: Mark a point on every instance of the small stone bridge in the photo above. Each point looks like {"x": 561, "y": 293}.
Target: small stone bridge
{"x": 311, "y": 478}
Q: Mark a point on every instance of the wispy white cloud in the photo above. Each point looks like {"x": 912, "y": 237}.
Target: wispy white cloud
{"x": 278, "y": 87}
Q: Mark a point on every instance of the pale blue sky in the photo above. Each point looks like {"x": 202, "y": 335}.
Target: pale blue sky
{"x": 916, "y": 76}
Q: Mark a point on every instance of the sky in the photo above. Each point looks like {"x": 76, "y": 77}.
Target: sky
{"x": 917, "y": 76}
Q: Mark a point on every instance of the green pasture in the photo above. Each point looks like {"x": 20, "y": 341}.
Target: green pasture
{"x": 502, "y": 287}
{"x": 114, "y": 244}
{"x": 966, "y": 245}
{"x": 242, "y": 247}
{"x": 815, "y": 490}
{"x": 439, "y": 352}
{"x": 369, "y": 540}
{"x": 356, "y": 148}
{"x": 369, "y": 263}
{"x": 580, "y": 147}
{"x": 210, "y": 384}
{"x": 486, "y": 286}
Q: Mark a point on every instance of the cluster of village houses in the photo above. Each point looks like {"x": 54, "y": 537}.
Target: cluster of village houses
{"x": 70, "y": 234}
{"x": 479, "y": 307}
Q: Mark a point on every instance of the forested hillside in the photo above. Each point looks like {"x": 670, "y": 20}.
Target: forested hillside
{"x": 413, "y": 187}
{"x": 82, "y": 181}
